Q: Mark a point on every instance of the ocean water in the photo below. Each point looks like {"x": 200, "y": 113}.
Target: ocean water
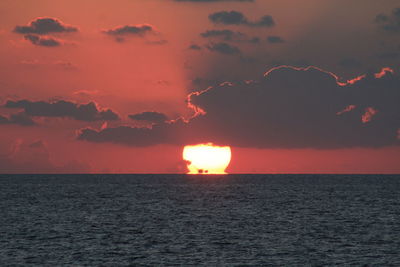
{"x": 183, "y": 220}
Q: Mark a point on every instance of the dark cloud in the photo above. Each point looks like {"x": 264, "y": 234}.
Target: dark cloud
{"x": 81, "y": 112}
{"x": 288, "y": 108}
{"x": 133, "y": 30}
{"x": 273, "y": 39}
{"x": 149, "y": 116}
{"x": 42, "y": 41}
{"x": 227, "y": 35}
{"x": 224, "y": 48}
{"x": 195, "y": 47}
{"x": 391, "y": 22}
{"x": 18, "y": 118}
{"x": 45, "y": 26}
{"x": 120, "y": 33}
{"x": 297, "y": 108}
{"x": 237, "y": 18}
{"x": 141, "y": 137}
{"x": 264, "y": 21}
{"x": 228, "y": 17}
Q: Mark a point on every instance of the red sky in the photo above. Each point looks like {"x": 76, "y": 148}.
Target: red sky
{"x": 98, "y": 51}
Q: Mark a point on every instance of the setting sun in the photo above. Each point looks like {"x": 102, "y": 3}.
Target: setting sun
{"x": 207, "y": 158}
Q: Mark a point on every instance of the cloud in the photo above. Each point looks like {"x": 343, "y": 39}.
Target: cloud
{"x": 42, "y": 41}
{"x": 264, "y": 21}
{"x": 18, "y": 118}
{"x": 227, "y": 35}
{"x": 133, "y": 30}
{"x": 389, "y": 23}
{"x": 140, "y": 137}
{"x": 224, "y": 48}
{"x": 81, "y": 112}
{"x": 228, "y": 17}
{"x": 45, "y": 26}
{"x": 273, "y": 39}
{"x": 42, "y": 26}
{"x": 288, "y": 108}
{"x": 120, "y": 33}
{"x": 195, "y": 47}
{"x": 237, "y": 18}
{"x": 368, "y": 115}
{"x": 149, "y": 116}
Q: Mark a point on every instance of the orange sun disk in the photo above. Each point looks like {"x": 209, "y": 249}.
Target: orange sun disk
{"x": 207, "y": 158}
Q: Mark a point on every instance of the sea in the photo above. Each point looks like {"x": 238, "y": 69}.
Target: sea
{"x": 200, "y": 220}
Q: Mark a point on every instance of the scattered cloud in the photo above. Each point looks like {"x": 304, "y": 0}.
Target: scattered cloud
{"x": 195, "y": 47}
{"x": 224, "y": 48}
{"x": 35, "y": 30}
{"x": 42, "y": 41}
{"x": 237, "y": 18}
{"x": 120, "y": 33}
{"x": 45, "y": 25}
{"x": 81, "y": 112}
{"x": 226, "y": 35}
{"x": 137, "y": 30}
{"x": 229, "y": 36}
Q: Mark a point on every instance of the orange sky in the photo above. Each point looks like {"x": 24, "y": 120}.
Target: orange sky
{"x": 156, "y": 72}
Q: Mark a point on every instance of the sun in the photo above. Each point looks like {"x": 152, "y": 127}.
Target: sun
{"x": 207, "y": 158}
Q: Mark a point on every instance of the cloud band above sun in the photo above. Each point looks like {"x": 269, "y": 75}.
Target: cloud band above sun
{"x": 287, "y": 108}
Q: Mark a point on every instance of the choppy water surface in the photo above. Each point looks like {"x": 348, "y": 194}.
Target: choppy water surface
{"x": 231, "y": 220}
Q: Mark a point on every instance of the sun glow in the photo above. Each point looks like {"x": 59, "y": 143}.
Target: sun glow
{"x": 207, "y": 158}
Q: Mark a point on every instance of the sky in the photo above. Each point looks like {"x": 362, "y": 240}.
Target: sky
{"x": 101, "y": 86}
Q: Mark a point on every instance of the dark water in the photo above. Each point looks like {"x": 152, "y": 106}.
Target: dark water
{"x": 233, "y": 220}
